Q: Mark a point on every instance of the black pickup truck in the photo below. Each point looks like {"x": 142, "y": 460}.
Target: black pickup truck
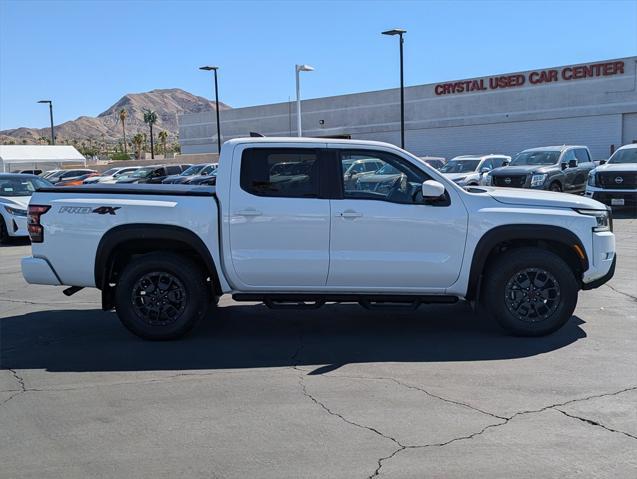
{"x": 555, "y": 168}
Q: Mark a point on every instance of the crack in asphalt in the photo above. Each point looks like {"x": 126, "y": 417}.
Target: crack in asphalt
{"x": 634, "y": 298}
{"x": 595, "y": 423}
{"x": 48, "y": 303}
{"x": 22, "y": 389}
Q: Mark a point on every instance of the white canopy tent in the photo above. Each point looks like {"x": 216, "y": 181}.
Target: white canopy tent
{"x": 31, "y": 155}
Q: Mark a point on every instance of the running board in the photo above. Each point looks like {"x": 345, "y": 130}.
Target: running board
{"x": 368, "y": 301}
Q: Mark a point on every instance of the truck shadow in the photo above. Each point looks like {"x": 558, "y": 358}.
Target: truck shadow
{"x": 240, "y": 336}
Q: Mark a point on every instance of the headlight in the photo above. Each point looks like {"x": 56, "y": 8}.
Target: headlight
{"x": 15, "y": 211}
{"x": 538, "y": 180}
{"x": 603, "y": 217}
{"x": 591, "y": 179}
{"x": 488, "y": 180}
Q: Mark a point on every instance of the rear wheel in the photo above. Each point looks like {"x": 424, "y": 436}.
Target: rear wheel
{"x": 555, "y": 186}
{"x": 530, "y": 291}
{"x": 161, "y": 296}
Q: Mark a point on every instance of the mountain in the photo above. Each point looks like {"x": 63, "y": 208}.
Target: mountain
{"x": 167, "y": 103}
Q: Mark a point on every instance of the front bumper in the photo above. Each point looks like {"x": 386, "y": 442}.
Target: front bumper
{"x": 16, "y": 225}
{"x": 607, "y": 196}
{"x": 39, "y": 271}
{"x": 600, "y": 281}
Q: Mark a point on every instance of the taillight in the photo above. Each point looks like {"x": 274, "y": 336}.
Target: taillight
{"x": 36, "y": 230}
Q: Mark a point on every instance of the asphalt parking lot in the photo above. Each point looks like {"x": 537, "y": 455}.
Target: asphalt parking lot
{"x": 337, "y": 392}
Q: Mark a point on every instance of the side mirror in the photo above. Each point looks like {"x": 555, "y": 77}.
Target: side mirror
{"x": 484, "y": 170}
{"x": 432, "y": 189}
{"x": 505, "y": 163}
{"x": 572, "y": 163}
{"x": 602, "y": 162}
{"x": 564, "y": 165}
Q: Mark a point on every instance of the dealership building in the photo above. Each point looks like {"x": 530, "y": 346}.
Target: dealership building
{"x": 592, "y": 104}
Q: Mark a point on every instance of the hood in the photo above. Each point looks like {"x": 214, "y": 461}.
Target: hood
{"x": 616, "y": 168}
{"x": 459, "y": 176}
{"x": 542, "y": 198}
{"x": 177, "y": 178}
{"x": 520, "y": 170}
{"x": 128, "y": 180}
{"x": 15, "y": 201}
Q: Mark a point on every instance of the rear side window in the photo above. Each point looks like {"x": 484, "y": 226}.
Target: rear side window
{"x": 173, "y": 170}
{"x": 582, "y": 155}
{"x": 280, "y": 172}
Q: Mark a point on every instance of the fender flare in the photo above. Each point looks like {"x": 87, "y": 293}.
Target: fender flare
{"x": 140, "y": 231}
{"x": 504, "y": 233}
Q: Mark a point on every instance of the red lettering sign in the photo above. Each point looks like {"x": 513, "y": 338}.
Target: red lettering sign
{"x": 535, "y": 78}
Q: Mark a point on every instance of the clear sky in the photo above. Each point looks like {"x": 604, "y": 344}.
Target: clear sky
{"x": 86, "y": 55}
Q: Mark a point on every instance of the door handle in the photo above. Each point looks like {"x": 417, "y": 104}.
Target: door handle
{"x": 351, "y": 214}
{"x": 248, "y": 213}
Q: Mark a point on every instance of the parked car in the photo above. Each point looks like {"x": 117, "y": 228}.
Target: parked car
{"x": 150, "y": 174}
{"x": 29, "y": 172}
{"x": 614, "y": 182}
{"x": 522, "y": 255}
{"x": 76, "y": 181}
{"x": 555, "y": 168}
{"x": 210, "y": 179}
{"x": 15, "y": 192}
{"x": 192, "y": 172}
{"x": 65, "y": 175}
{"x": 357, "y": 166}
{"x": 436, "y": 162}
{"x": 111, "y": 175}
{"x": 468, "y": 170}
{"x": 48, "y": 173}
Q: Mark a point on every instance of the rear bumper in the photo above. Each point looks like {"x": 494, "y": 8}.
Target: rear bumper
{"x": 39, "y": 271}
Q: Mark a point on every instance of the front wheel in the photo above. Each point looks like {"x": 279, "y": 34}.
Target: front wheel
{"x": 530, "y": 291}
{"x": 161, "y": 296}
{"x": 555, "y": 186}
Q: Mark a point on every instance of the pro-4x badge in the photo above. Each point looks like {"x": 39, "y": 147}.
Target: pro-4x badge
{"x": 106, "y": 210}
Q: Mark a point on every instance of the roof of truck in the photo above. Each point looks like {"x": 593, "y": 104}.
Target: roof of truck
{"x": 294, "y": 139}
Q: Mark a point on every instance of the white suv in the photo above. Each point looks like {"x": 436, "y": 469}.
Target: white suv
{"x": 467, "y": 170}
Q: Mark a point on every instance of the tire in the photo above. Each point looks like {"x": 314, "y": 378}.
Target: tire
{"x": 514, "y": 279}
{"x": 4, "y": 234}
{"x": 178, "y": 296}
{"x": 555, "y": 186}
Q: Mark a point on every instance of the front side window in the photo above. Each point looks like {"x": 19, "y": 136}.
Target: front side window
{"x": 14, "y": 186}
{"x": 582, "y": 155}
{"x": 569, "y": 156}
{"x": 396, "y": 180}
{"x": 280, "y": 172}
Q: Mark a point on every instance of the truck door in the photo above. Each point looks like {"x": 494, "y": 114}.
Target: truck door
{"x": 570, "y": 173}
{"x": 278, "y": 223}
{"x": 584, "y": 166}
{"x": 385, "y": 237}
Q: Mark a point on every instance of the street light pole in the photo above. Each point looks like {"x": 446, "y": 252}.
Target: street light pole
{"x": 213, "y": 68}
{"x": 400, "y": 32}
{"x": 299, "y": 69}
{"x": 51, "y": 116}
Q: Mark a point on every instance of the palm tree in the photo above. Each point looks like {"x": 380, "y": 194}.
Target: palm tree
{"x": 150, "y": 117}
{"x": 163, "y": 137}
{"x": 138, "y": 141}
{"x": 123, "y": 114}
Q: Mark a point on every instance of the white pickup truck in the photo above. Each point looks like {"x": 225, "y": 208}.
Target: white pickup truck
{"x": 282, "y": 227}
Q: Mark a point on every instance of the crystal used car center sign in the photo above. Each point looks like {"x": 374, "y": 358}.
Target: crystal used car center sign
{"x": 538, "y": 77}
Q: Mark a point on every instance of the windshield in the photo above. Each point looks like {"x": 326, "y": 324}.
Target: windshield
{"x": 110, "y": 172}
{"x": 13, "y": 186}
{"x": 142, "y": 172}
{"x": 629, "y": 155}
{"x": 387, "y": 169}
{"x": 208, "y": 169}
{"x": 460, "y": 166}
{"x": 193, "y": 170}
{"x": 535, "y": 158}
